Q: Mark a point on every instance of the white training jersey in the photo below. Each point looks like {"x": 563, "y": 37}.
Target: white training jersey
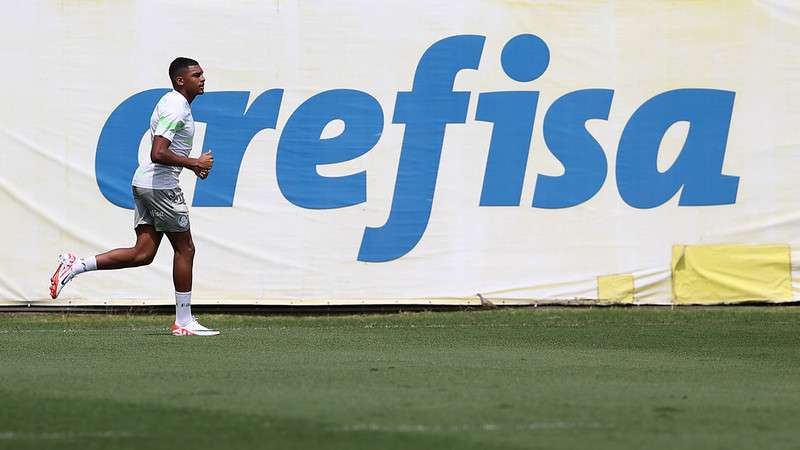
{"x": 172, "y": 119}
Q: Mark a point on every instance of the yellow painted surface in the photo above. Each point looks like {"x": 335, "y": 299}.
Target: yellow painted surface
{"x": 704, "y": 274}
{"x": 615, "y": 288}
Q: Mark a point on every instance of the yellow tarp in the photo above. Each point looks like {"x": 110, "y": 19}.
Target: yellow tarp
{"x": 615, "y": 288}
{"x": 727, "y": 273}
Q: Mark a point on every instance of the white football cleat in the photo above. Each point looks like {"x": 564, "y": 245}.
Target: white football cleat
{"x": 63, "y": 274}
{"x": 193, "y": 328}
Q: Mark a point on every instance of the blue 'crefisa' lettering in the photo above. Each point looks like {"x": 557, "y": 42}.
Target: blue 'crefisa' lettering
{"x": 584, "y": 161}
{"x": 524, "y": 58}
{"x": 301, "y": 149}
{"x": 117, "y": 154}
{"x": 425, "y": 111}
{"x": 228, "y": 133}
{"x": 698, "y": 167}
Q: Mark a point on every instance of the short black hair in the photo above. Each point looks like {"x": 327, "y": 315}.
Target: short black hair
{"x": 179, "y": 65}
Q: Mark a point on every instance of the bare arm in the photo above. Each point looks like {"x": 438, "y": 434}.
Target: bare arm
{"x": 161, "y": 154}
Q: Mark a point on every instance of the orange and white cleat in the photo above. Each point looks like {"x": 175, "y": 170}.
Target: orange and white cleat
{"x": 192, "y": 328}
{"x": 63, "y": 274}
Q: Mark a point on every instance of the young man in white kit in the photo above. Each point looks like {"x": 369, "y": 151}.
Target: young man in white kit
{"x": 160, "y": 207}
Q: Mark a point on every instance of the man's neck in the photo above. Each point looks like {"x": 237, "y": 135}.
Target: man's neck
{"x": 185, "y": 95}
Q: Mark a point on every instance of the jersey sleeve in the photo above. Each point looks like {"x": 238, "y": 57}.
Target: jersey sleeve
{"x": 171, "y": 118}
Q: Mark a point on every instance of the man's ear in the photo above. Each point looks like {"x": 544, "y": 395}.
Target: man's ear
{"x": 179, "y": 80}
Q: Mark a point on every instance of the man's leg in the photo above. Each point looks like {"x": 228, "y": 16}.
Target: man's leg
{"x": 182, "y": 264}
{"x": 185, "y": 324}
{"x": 142, "y": 253}
{"x": 184, "y": 259}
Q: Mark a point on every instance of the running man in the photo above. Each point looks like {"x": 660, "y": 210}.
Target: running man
{"x": 160, "y": 207}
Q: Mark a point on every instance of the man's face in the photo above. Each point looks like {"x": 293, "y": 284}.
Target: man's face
{"x": 193, "y": 80}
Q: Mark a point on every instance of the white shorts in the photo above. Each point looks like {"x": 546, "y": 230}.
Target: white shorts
{"x": 165, "y": 209}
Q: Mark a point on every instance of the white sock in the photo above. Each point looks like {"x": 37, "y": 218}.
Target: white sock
{"x": 84, "y": 265}
{"x": 183, "y": 307}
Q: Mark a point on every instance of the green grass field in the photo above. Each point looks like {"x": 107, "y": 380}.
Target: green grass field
{"x": 549, "y": 378}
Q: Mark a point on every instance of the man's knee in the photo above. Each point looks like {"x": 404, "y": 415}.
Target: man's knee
{"x": 182, "y": 244}
{"x": 143, "y": 254}
{"x": 144, "y": 257}
{"x": 188, "y": 250}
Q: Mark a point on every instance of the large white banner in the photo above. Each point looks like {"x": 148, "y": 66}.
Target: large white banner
{"x": 413, "y": 152}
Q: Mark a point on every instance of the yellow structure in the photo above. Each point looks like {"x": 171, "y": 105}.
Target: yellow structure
{"x": 615, "y": 288}
{"x": 705, "y": 274}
